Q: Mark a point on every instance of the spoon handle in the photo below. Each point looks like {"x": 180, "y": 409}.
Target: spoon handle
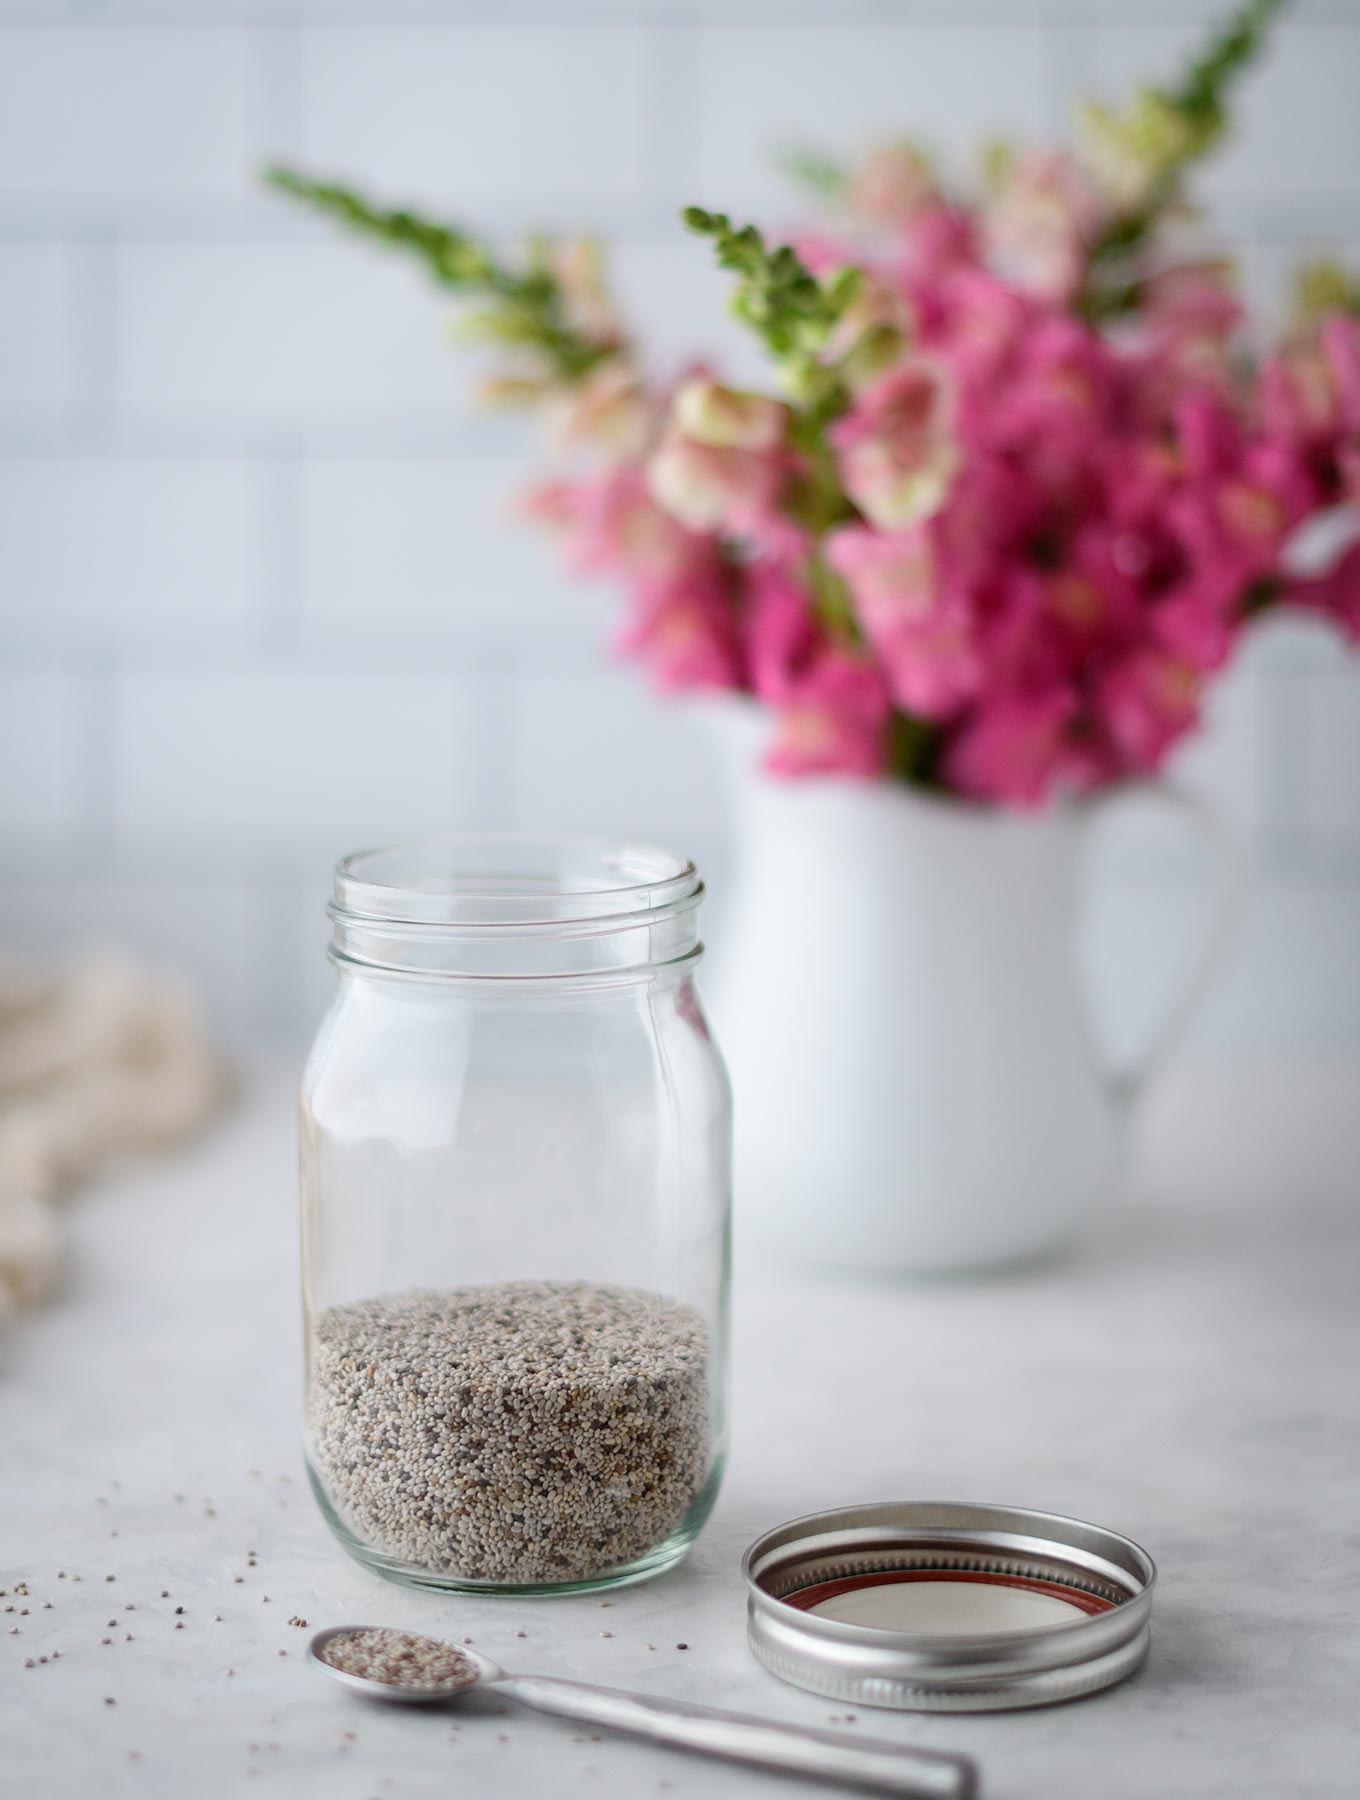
{"x": 865, "y": 1762}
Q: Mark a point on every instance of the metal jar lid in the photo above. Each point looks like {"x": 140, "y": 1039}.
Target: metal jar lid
{"x": 1036, "y": 1567}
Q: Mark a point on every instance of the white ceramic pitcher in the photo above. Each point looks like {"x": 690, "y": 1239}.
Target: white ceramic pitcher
{"x": 917, "y": 1084}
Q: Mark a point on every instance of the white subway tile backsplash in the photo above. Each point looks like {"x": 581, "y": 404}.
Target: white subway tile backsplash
{"x": 292, "y": 758}
{"x": 93, "y": 113}
{"x": 838, "y": 90}
{"x": 36, "y": 328}
{"x": 41, "y": 755}
{"x": 427, "y": 548}
{"x": 111, "y": 550}
{"x": 283, "y": 334}
{"x": 216, "y": 933}
{"x": 461, "y": 118}
{"x": 596, "y": 751}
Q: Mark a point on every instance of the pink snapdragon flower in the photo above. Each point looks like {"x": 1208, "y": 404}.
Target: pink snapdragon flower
{"x": 686, "y": 631}
{"x": 1054, "y": 410}
{"x": 972, "y": 321}
{"x": 1236, "y": 521}
{"x": 609, "y": 412}
{"x": 610, "y": 525}
{"x": 1146, "y": 701}
{"x": 891, "y": 186}
{"x": 833, "y": 722}
{"x": 708, "y": 487}
{"x": 1012, "y": 750}
{"x": 782, "y": 635}
{"x": 1040, "y": 536}
{"x": 1088, "y": 599}
{"x": 940, "y": 240}
{"x": 727, "y": 418}
{"x": 1312, "y": 387}
{"x": 896, "y": 448}
{"x": 1038, "y": 223}
{"x": 921, "y": 629}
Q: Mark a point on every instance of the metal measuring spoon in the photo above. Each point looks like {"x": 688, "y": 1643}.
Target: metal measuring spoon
{"x": 438, "y": 1672}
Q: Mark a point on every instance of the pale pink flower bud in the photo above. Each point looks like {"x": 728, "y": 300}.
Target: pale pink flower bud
{"x": 607, "y": 411}
{"x": 709, "y": 489}
{"x": 1130, "y": 151}
{"x": 892, "y": 186}
{"x": 1038, "y": 223}
{"x": 507, "y": 393}
{"x": 579, "y": 273}
{"x": 898, "y": 454}
{"x": 727, "y": 419}
{"x": 871, "y": 335}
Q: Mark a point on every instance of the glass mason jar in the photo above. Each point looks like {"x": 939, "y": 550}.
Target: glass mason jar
{"x": 515, "y": 1146}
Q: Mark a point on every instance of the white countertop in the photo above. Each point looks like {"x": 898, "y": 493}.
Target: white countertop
{"x": 1190, "y": 1379}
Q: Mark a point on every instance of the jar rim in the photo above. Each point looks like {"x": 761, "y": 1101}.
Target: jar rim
{"x": 513, "y": 883}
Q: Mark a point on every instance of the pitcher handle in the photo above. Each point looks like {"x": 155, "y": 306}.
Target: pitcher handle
{"x": 1228, "y": 888}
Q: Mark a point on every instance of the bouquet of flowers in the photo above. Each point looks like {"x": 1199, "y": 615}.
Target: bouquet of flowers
{"x": 1020, "y": 482}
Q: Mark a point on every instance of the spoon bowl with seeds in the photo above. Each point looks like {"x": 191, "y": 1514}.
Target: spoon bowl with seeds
{"x": 417, "y": 1670}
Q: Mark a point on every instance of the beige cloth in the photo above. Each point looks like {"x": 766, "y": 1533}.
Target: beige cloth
{"x": 102, "y": 1059}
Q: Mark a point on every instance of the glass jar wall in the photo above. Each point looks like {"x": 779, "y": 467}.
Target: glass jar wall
{"x": 514, "y": 1158}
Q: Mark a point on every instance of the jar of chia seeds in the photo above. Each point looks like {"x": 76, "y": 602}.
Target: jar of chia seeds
{"x": 515, "y": 1133}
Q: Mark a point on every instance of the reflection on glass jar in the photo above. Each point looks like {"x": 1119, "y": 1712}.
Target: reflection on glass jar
{"x": 515, "y": 1147}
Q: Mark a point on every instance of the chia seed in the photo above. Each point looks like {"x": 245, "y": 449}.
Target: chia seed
{"x": 522, "y": 1432}
{"x": 400, "y": 1658}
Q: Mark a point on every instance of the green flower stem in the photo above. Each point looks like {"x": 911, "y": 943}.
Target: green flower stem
{"x": 787, "y": 307}
{"x": 526, "y": 307}
{"x": 793, "y": 314}
{"x": 1200, "y": 101}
